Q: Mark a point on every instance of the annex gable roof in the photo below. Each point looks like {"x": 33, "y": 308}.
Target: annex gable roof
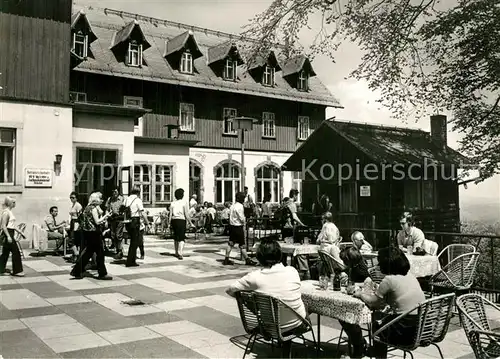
{"x": 381, "y": 144}
{"x": 125, "y": 33}
{"x": 106, "y": 23}
{"x": 223, "y": 51}
{"x": 79, "y": 17}
{"x": 297, "y": 64}
{"x": 186, "y": 40}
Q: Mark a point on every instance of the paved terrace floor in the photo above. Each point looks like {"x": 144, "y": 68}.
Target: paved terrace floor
{"x": 187, "y": 313}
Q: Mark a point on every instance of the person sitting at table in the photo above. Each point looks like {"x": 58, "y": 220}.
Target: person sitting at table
{"x": 409, "y": 235}
{"x": 401, "y": 291}
{"x": 358, "y": 272}
{"x": 329, "y": 237}
{"x": 55, "y": 231}
{"x": 358, "y": 241}
{"x": 275, "y": 280}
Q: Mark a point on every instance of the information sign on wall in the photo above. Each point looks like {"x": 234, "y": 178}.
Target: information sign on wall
{"x": 364, "y": 191}
{"x": 38, "y": 178}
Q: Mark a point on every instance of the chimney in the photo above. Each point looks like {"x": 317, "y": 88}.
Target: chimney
{"x": 439, "y": 134}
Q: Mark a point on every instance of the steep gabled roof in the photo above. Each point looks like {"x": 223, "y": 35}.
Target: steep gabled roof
{"x": 259, "y": 61}
{"x": 297, "y": 64}
{"x": 381, "y": 144}
{"x": 222, "y": 51}
{"x": 80, "y": 16}
{"x": 106, "y": 22}
{"x": 182, "y": 41}
{"x": 124, "y": 33}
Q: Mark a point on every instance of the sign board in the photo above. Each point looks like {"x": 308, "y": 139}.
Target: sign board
{"x": 364, "y": 191}
{"x": 38, "y": 178}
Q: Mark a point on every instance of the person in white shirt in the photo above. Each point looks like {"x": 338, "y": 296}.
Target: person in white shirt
{"x": 179, "y": 218}
{"x": 8, "y": 230}
{"x": 329, "y": 237}
{"x": 237, "y": 230}
{"x": 277, "y": 281}
{"x": 193, "y": 202}
{"x": 133, "y": 227}
{"x": 358, "y": 240}
{"x": 410, "y": 235}
{"x": 248, "y": 204}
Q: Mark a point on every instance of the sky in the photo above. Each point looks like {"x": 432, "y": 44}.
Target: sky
{"x": 358, "y": 100}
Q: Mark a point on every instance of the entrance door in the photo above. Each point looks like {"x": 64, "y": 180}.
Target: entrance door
{"x": 97, "y": 170}
{"x": 195, "y": 173}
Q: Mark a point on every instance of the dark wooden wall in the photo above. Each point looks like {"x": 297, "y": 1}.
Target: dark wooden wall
{"x": 164, "y": 101}
{"x": 35, "y": 51}
{"x": 57, "y": 10}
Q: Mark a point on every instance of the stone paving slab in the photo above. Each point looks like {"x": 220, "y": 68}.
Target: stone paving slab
{"x": 186, "y": 314}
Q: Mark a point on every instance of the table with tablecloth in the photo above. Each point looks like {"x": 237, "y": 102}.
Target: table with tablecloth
{"x": 294, "y": 249}
{"x": 420, "y": 266}
{"x": 333, "y": 304}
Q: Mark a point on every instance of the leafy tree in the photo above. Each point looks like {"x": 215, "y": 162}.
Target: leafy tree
{"x": 442, "y": 55}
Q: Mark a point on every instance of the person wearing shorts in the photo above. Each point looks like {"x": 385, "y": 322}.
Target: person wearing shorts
{"x": 237, "y": 230}
{"x": 178, "y": 219}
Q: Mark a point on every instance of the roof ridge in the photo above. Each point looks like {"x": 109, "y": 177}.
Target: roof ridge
{"x": 179, "y": 25}
{"x": 377, "y": 125}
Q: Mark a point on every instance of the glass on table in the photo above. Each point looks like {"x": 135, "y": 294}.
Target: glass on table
{"x": 323, "y": 282}
{"x": 410, "y": 250}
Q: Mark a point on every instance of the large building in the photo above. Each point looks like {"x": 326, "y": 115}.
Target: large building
{"x": 94, "y": 98}
{"x": 197, "y": 79}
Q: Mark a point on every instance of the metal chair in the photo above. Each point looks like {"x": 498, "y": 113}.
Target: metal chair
{"x": 472, "y": 309}
{"x": 434, "y": 317}
{"x": 260, "y": 315}
{"x": 21, "y": 227}
{"x": 375, "y": 274}
{"x": 331, "y": 264}
{"x": 453, "y": 251}
{"x": 457, "y": 275}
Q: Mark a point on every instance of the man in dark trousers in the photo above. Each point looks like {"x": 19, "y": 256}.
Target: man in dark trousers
{"x": 135, "y": 208}
{"x": 113, "y": 206}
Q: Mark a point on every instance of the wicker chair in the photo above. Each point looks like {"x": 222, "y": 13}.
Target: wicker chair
{"x": 434, "y": 317}
{"x": 260, "y": 316}
{"x": 472, "y": 311}
{"x": 457, "y": 275}
{"x": 331, "y": 264}
{"x": 375, "y": 274}
{"x": 453, "y": 251}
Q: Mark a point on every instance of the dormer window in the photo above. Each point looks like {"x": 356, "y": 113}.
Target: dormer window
{"x": 134, "y": 55}
{"x": 80, "y": 44}
{"x": 230, "y": 70}
{"x": 186, "y": 63}
{"x": 303, "y": 81}
{"x": 268, "y": 76}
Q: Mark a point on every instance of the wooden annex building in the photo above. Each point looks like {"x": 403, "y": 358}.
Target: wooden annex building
{"x": 393, "y": 170}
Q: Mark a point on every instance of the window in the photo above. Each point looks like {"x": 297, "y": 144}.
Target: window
{"x": 134, "y": 56}
{"x": 187, "y": 63}
{"x": 142, "y": 178}
{"x": 186, "y": 117}
{"x": 163, "y": 184}
{"x": 268, "y": 181}
{"x": 230, "y": 70}
{"x": 268, "y": 125}
{"x": 420, "y": 194}
{"x": 195, "y": 179}
{"x": 227, "y": 182}
{"x": 80, "y": 44}
{"x": 303, "y": 81}
{"x": 155, "y": 181}
{"x": 303, "y": 128}
{"x": 77, "y": 96}
{"x": 348, "y": 196}
{"x": 7, "y": 155}
{"x": 133, "y": 101}
{"x": 268, "y": 76}
{"x": 297, "y": 183}
{"x": 228, "y": 115}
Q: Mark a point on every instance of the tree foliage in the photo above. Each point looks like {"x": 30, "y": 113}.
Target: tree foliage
{"x": 437, "y": 55}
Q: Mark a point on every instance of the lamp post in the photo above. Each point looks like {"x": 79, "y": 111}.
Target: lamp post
{"x": 243, "y": 124}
